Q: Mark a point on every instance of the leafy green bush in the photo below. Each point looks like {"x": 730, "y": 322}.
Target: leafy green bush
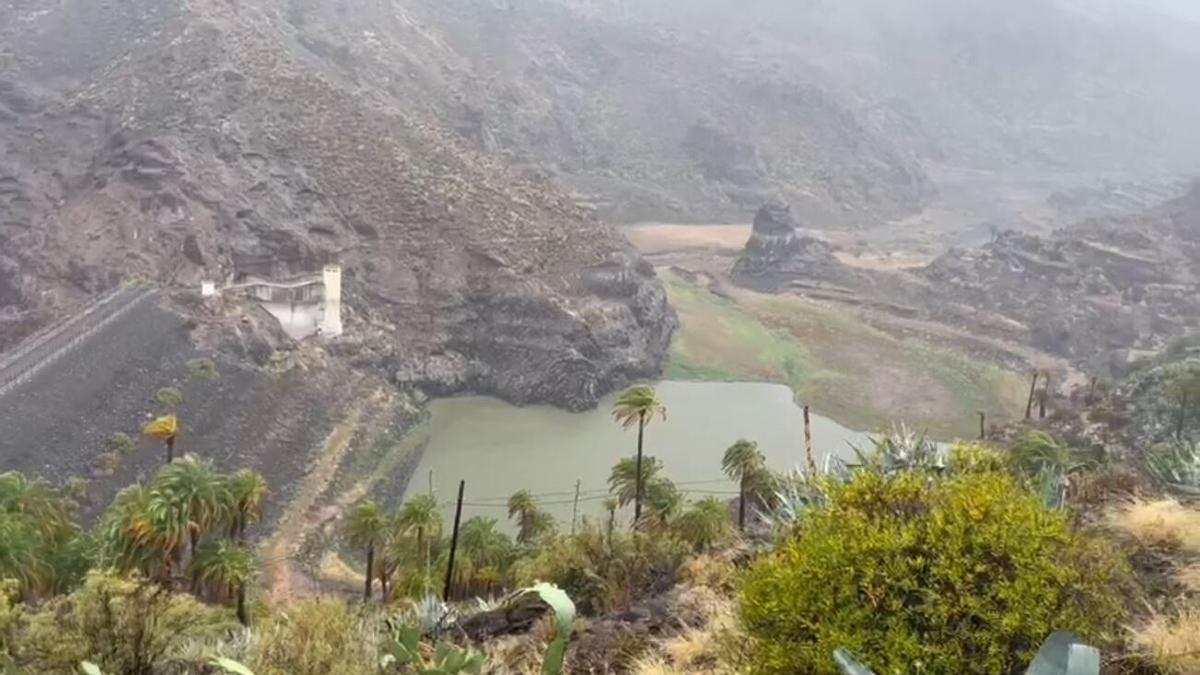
{"x": 123, "y": 624}
{"x": 963, "y": 574}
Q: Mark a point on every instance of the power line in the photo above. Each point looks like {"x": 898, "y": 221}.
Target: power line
{"x": 594, "y": 492}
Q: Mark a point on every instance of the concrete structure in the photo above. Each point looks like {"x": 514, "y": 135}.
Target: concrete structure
{"x": 331, "y": 318}
{"x": 305, "y": 306}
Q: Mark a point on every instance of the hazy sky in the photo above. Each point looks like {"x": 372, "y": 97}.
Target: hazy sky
{"x": 1188, "y": 8}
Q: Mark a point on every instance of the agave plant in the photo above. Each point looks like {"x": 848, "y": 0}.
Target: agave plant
{"x": 429, "y": 615}
{"x": 564, "y": 611}
{"x": 403, "y": 650}
{"x": 1051, "y": 484}
{"x": 901, "y": 450}
{"x": 797, "y": 493}
{"x": 1177, "y": 465}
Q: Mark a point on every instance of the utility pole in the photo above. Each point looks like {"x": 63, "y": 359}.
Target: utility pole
{"x": 808, "y": 444}
{"x": 431, "y": 480}
{"x": 982, "y": 423}
{"x": 1045, "y": 396}
{"x": 462, "y": 486}
{"x": 575, "y": 509}
{"x": 742, "y": 505}
{"x": 1032, "y": 389}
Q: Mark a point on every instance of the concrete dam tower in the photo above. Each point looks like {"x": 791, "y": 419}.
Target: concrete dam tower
{"x": 331, "y": 320}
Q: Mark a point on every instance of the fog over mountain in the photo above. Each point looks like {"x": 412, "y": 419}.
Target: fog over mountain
{"x": 432, "y": 144}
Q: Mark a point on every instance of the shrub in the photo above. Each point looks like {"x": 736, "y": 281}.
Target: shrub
{"x": 107, "y": 463}
{"x": 316, "y": 637}
{"x": 1173, "y": 643}
{"x": 169, "y": 397}
{"x": 965, "y": 574}
{"x": 976, "y": 457}
{"x": 1160, "y": 524}
{"x": 603, "y": 573}
{"x": 1105, "y": 485}
{"x": 203, "y": 369}
{"x": 124, "y": 625}
{"x": 710, "y": 571}
{"x": 121, "y": 444}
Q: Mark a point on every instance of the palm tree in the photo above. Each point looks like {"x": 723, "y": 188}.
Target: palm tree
{"x": 638, "y": 406}
{"x": 743, "y": 462}
{"x": 226, "y": 568}
{"x": 610, "y": 505}
{"x": 247, "y": 491}
{"x": 704, "y": 523}
{"x": 624, "y": 481}
{"x": 164, "y": 429}
{"x": 367, "y": 527}
{"x": 198, "y": 496}
{"x": 43, "y": 506}
{"x": 137, "y": 533}
{"x": 21, "y": 554}
{"x": 481, "y": 546}
{"x": 523, "y": 506}
{"x": 421, "y": 516}
{"x": 663, "y": 502}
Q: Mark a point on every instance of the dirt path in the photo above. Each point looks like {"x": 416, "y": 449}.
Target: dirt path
{"x": 301, "y": 516}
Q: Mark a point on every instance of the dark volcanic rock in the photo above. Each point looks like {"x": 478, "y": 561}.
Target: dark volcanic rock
{"x": 187, "y": 141}
{"x": 778, "y": 252}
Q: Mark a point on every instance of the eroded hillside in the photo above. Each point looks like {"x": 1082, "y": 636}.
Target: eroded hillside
{"x": 184, "y": 140}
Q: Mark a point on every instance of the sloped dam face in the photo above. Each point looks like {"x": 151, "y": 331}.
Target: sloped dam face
{"x": 499, "y": 449}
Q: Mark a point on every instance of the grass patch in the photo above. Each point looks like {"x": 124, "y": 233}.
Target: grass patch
{"x": 835, "y": 361}
{"x": 1165, "y": 524}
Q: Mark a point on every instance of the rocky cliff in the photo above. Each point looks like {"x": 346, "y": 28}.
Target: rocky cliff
{"x": 778, "y": 253}
{"x": 1096, "y": 293}
{"x": 1093, "y": 291}
{"x": 189, "y": 139}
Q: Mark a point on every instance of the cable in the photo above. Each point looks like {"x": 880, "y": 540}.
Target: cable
{"x": 602, "y": 492}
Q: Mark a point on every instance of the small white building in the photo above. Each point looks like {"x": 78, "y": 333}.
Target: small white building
{"x": 304, "y": 307}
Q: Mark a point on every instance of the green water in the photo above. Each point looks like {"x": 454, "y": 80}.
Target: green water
{"x": 499, "y": 449}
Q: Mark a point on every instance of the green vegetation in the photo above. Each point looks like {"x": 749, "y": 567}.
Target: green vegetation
{"x": 169, "y": 397}
{"x": 917, "y": 557}
{"x": 962, "y": 574}
{"x": 637, "y": 407}
{"x": 818, "y": 351}
{"x": 204, "y": 369}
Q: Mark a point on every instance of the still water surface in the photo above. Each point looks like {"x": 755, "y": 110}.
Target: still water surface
{"x": 499, "y": 449}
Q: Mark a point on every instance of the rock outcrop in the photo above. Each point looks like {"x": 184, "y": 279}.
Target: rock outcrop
{"x": 182, "y": 140}
{"x": 778, "y": 253}
{"x": 1095, "y": 293}
{"x": 1091, "y": 292}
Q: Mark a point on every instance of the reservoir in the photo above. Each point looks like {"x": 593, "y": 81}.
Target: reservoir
{"x": 499, "y": 448}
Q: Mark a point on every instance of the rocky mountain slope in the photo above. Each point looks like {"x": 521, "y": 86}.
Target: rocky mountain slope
{"x": 1096, "y": 293}
{"x": 1092, "y": 291}
{"x": 1026, "y": 85}
{"x": 642, "y": 121}
{"x": 189, "y": 139}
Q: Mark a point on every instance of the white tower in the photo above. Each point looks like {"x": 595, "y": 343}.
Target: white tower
{"x": 331, "y": 322}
